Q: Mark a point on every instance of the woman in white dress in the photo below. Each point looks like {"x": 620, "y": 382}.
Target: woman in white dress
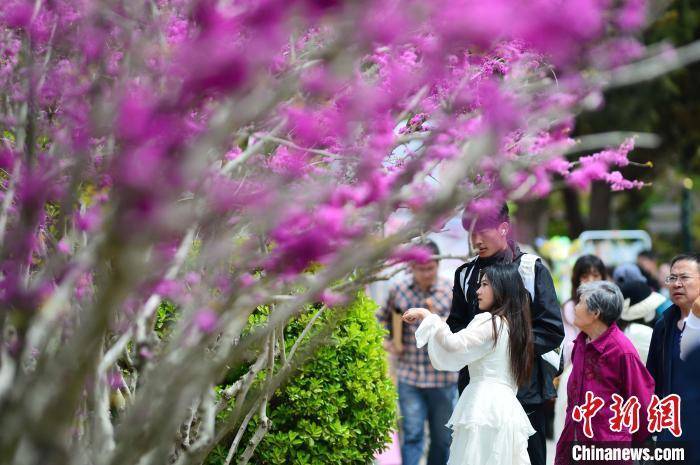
{"x": 489, "y": 425}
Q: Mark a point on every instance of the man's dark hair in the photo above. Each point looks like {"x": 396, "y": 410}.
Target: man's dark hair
{"x": 486, "y": 221}
{"x": 691, "y": 257}
{"x": 430, "y": 245}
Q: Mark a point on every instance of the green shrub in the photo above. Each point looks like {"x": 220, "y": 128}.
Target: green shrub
{"x": 340, "y": 406}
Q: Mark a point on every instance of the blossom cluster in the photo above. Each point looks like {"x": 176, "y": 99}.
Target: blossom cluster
{"x": 223, "y": 153}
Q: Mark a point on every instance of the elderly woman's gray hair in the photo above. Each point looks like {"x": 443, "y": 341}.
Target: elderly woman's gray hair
{"x": 603, "y": 297}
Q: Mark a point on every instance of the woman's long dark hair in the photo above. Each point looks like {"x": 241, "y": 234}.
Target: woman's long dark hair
{"x": 512, "y": 302}
{"x": 584, "y": 265}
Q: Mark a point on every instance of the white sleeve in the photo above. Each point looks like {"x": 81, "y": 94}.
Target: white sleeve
{"x": 690, "y": 339}
{"x": 450, "y": 351}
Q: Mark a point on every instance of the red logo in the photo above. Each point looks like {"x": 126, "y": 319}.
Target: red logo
{"x": 665, "y": 414}
{"x": 587, "y": 411}
{"x": 625, "y": 414}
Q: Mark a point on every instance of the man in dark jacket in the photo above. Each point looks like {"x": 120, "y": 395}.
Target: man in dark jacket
{"x": 490, "y": 239}
{"x": 669, "y": 371}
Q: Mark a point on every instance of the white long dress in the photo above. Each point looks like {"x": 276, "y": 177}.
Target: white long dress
{"x": 489, "y": 426}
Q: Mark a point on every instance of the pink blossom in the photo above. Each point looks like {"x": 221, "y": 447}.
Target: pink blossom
{"x": 632, "y": 15}
{"x": 616, "y": 157}
{"x": 115, "y": 379}
{"x": 558, "y": 165}
{"x": 63, "y": 246}
{"x": 332, "y": 299}
{"x": 291, "y": 163}
{"x": 89, "y": 220}
{"x": 146, "y": 353}
{"x": 192, "y": 278}
{"x": 17, "y": 14}
{"x": 582, "y": 178}
{"x": 83, "y": 286}
{"x": 485, "y": 205}
{"x": 233, "y": 153}
{"x": 413, "y": 253}
{"x": 169, "y": 288}
{"x": 206, "y": 320}
{"x": 543, "y": 185}
{"x": 246, "y": 280}
{"x": 618, "y": 183}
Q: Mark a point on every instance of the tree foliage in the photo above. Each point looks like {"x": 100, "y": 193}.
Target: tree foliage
{"x": 340, "y": 405}
{"x": 230, "y": 155}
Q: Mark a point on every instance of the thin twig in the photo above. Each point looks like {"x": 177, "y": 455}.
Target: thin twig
{"x": 306, "y": 330}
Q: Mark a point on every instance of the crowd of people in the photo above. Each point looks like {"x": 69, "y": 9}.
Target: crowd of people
{"x": 618, "y": 360}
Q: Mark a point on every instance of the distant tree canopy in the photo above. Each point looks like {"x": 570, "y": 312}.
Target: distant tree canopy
{"x": 668, "y": 106}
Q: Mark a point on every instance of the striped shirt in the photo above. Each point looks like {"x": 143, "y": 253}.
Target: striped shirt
{"x": 414, "y": 366}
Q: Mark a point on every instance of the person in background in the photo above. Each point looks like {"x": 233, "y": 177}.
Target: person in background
{"x": 639, "y": 314}
{"x": 425, "y": 394}
{"x": 647, "y": 263}
{"x": 605, "y": 363}
{"x": 627, "y": 273}
{"x": 664, "y": 271}
{"x": 586, "y": 269}
{"x": 664, "y": 361}
{"x": 630, "y": 274}
{"x": 490, "y": 238}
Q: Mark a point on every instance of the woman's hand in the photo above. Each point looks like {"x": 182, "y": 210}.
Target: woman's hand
{"x": 696, "y": 307}
{"x": 415, "y": 314}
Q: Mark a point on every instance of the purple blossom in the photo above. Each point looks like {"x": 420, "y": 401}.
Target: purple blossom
{"x": 115, "y": 379}
{"x": 618, "y": 183}
{"x": 89, "y": 220}
{"x": 413, "y": 253}
{"x": 290, "y": 163}
{"x": 632, "y": 15}
{"x": 63, "y": 246}
{"x": 582, "y": 178}
{"x": 17, "y": 14}
{"x": 206, "y": 320}
{"x": 146, "y": 353}
{"x": 84, "y": 286}
{"x": 246, "y": 280}
{"x": 332, "y": 299}
{"x": 559, "y": 165}
{"x": 169, "y": 288}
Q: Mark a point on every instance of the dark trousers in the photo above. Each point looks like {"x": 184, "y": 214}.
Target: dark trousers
{"x": 537, "y": 443}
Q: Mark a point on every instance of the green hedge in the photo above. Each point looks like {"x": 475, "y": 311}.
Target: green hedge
{"x": 340, "y": 406}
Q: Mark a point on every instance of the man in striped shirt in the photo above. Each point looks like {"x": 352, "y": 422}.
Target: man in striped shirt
{"x": 424, "y": 392}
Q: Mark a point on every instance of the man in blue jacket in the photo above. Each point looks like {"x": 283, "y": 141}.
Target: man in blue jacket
{"x": 671, "y": 374}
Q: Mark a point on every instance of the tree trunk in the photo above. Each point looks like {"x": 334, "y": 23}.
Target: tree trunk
{"x": 599, "y": 216}
{"x": 531, "y": 220}
{"x": 572, "y": 210}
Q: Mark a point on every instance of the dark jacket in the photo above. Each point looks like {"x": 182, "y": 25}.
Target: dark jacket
{"x": 661, "y": 350}
{"x": 547, "y": 327}
{"x": 658, "y": 363}
{"x": 690, "y": 406}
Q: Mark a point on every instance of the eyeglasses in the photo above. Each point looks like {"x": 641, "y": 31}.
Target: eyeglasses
{"x": 683, "y": 279}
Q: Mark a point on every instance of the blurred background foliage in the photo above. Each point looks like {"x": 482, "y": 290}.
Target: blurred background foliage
{"x": 668, "y": 106}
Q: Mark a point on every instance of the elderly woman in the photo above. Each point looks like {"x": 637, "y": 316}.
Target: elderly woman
{"x": 605, "y": 363}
